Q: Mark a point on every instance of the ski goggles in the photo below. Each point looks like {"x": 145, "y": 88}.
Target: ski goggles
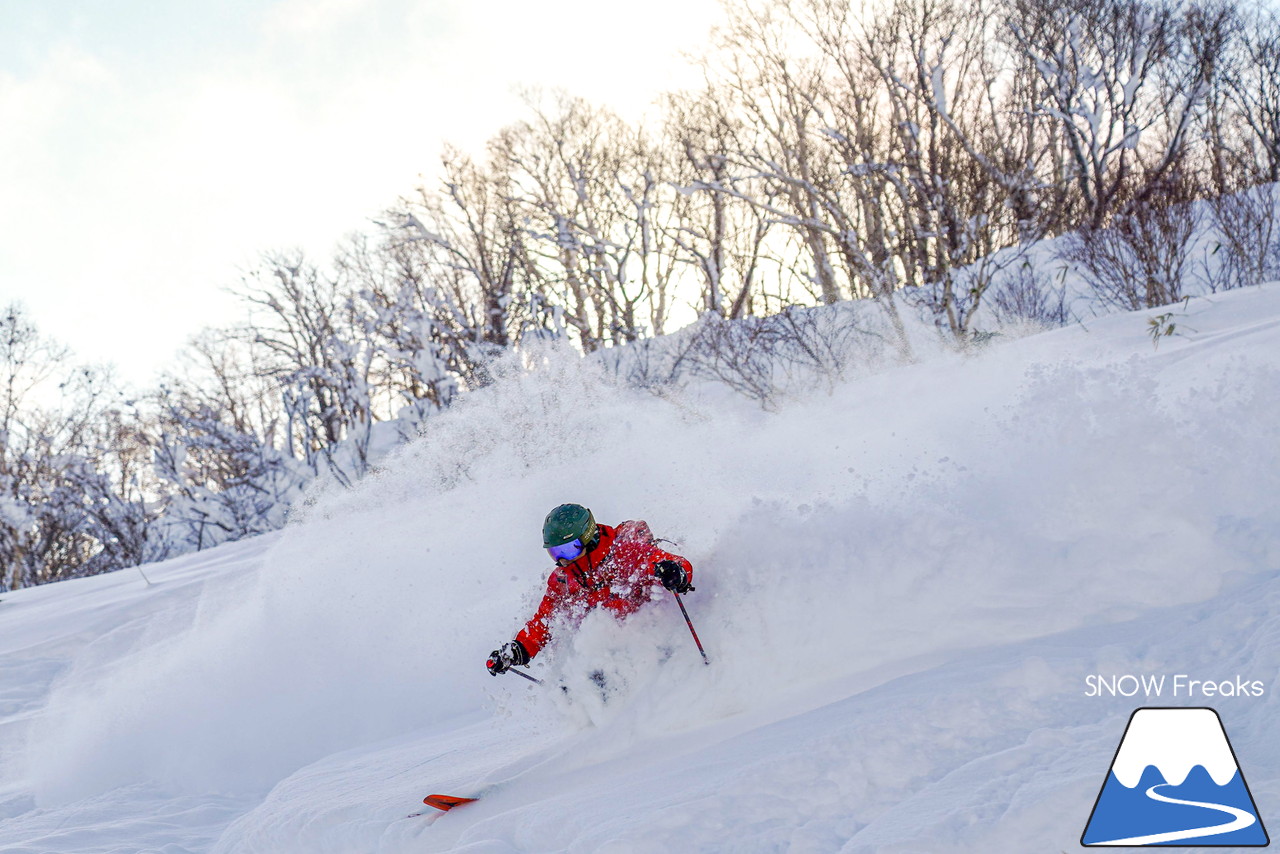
{"x": 566, "y": 552}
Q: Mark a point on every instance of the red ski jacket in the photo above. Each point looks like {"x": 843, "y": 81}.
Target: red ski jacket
{"x": 617, "y": 574}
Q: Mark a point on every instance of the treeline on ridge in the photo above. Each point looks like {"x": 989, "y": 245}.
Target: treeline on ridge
{"x": 904, "y": 154}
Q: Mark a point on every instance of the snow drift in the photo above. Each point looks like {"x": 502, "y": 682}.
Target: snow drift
{"x": 926, "y": 514}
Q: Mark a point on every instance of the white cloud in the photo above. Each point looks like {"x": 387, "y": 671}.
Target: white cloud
{"x": 306, "y": 17}
{"x": 135, "y": 191}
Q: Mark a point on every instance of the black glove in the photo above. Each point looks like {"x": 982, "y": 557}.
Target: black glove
{"x": 502, "y": 660}
{"x": 672, "y": 576}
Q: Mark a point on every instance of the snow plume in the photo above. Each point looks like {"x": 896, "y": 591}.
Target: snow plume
{"x": 1058, "y": 481}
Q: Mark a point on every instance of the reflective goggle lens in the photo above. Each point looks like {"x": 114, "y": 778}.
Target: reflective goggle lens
{"x": 571, "y": 550}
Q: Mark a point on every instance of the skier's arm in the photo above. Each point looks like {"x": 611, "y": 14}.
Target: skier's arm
{"x": 537, "y": 632}
{"x": 658, "y": 565}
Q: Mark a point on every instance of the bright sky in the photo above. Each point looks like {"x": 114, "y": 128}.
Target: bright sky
{"x": 151, "y": 150}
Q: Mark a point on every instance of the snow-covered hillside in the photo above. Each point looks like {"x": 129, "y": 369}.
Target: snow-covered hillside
{"x": 902, "y": 586}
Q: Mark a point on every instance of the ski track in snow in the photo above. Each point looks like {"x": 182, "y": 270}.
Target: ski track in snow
{"x": 990, "y": 530}
{"x": 1239, "y": 821}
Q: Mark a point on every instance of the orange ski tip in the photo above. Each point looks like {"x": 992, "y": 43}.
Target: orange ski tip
{"x": 445, "y": 802}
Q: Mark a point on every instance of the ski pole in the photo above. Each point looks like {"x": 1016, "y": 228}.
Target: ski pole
{"x": 525, "y": 675}
{"x": 689, "y": 623}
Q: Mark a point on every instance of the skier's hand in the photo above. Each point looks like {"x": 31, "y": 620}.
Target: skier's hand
{"x": 503, "y": 659}
{"x": 672, "y": 576}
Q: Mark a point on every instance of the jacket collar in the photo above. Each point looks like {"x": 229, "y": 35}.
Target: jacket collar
{"x": 585, "y": 566}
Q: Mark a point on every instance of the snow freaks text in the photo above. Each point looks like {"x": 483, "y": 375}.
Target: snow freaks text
{"x": 1179, "y": 685}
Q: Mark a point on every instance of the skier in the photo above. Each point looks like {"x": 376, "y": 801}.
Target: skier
{"x": 598, "y": 566}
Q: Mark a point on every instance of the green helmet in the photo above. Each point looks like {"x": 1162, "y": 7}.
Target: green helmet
{"x": 567, "y": 523}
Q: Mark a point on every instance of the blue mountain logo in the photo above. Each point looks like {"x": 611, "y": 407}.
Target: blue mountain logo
{"x": 1175, "y": 781}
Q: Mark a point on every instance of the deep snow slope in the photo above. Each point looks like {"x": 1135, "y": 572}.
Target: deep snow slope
{"x": 902, "y": 584}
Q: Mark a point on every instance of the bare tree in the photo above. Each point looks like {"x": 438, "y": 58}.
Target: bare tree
{"x": 219, "y": 444}
{"x": 824, "y": 176}
{"x": 766, "y": 358}
{"x": 718, "y": 234}
{"x": 1141, "y": 260}
{"x": 426, "y": 351}
{"x": 776, "y": 92}
{"x": 963, "y": 162}
{"x": 309, "y": 326}
{"x": 1123, "y": 86}
{"x": 590, "y": 190}
{"x": 1248, "y": 228}
{"x": 122, "y": 494}
{"x": 27, "y": 361}
{"x": 53, "y": 466}
{"x": 1252, "y": 83}
{"x": 1026, "y": 295}
{"x": 473, "y": 264}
